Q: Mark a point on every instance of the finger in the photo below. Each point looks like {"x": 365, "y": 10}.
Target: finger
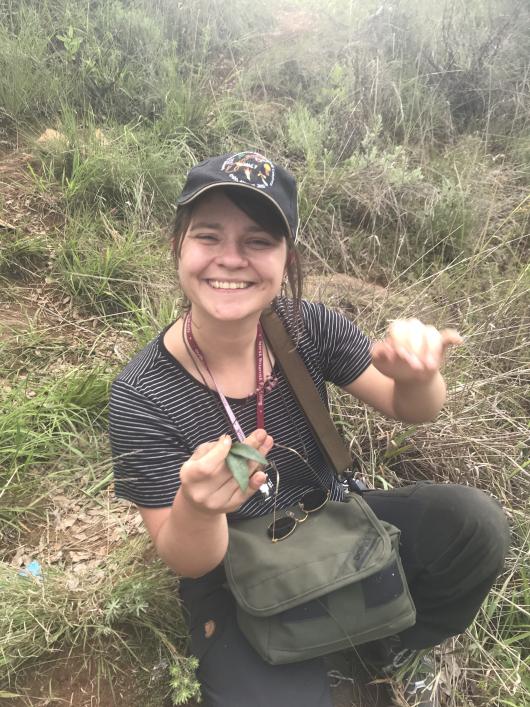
{"x": 238, "y": 497}
{"x": 201, "y": 450}
{"x": 397, "y": 332}
{"x": 256, "y": 438}
{"x": 406, "y": 337}
{"x": 403, "y": 355}
{"x": 432, "y": 353}
{"x": 261, "y": 441}
{"x": 266, "y": 446}
{"x": 216, "y": 452}
{"x": 384, "y": 357}
{"x": 257, "y": 479}
{"x": 450, "y": 337}
{"x": 415, "y": 341}
{"x": 229, "y": 496}
{"x": 206, "y": 464}
{"x": 235, "y": 500}
{"x": 382, "y": 351}
{"x": 220, "y": 498}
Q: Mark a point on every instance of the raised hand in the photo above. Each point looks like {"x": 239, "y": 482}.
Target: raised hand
{"x": 412, "y": 351}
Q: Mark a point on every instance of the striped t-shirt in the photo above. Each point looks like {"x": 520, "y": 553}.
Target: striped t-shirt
{"x": 159, "y": 413}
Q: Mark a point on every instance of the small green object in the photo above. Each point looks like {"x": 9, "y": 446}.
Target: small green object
{"x": 237, "y": 462}
{"x": 247, "y": 452}
{"x": 239, "y": 468}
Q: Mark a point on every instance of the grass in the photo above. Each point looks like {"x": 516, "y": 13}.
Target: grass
{"x": 39, "y": 423}
{"x": 407, "y": 129}
{"x": 104, "y": 277}
{"x": 123, "y": 169}
{"x": 21, "y": 255}
{"x": 499, "y": 637}
{"x": 92, "y": 606}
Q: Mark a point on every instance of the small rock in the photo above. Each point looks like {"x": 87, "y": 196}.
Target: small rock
{"x": 51, "y": 135}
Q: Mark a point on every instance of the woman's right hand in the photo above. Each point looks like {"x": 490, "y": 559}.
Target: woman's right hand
{"x": 208, "y": 485}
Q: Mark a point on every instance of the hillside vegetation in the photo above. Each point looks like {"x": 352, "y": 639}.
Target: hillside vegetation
{"x": 407, "y": 127}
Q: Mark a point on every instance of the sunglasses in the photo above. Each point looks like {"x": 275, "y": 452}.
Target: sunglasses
{"x": 310, "y": 502}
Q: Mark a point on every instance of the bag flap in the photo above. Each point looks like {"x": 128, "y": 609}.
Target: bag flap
{"x": 333, "y": 547}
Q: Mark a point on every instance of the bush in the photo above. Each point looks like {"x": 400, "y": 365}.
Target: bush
{"x": 30, "y": 87}
{"x": 71, "y": 610}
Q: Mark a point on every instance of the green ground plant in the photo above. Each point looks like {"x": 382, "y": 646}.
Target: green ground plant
{"x": 93, "y": 608}
{"x": 39, "y": 423}
{"x": 499, "y": 637}
{"x": 146, "y": 320}
{"x": 121, "y": 170}
{"x": 22, "y": 256}
{"x": 28, "y": 85}
{"x": 104, "y": 277}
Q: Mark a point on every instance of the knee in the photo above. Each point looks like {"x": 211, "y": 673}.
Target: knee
{"x": 471, "y": 518}
{"x": 490, "y": 521}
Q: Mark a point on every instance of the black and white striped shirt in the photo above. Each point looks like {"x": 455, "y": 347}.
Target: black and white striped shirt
{"x": 159, "y": 414}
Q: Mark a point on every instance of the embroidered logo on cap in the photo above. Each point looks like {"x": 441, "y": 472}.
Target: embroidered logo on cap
{"x": 250, "y": 168}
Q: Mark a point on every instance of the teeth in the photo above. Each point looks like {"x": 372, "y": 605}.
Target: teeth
{"x": 222, "y": 285}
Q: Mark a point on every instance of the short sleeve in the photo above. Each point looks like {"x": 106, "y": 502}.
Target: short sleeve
{"x": 147, "y": 451}
{"x": 343, "y": 349}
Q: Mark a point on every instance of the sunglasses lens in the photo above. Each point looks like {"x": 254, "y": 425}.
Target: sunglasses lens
{"x": 314, "y": 500}
{"x": 281, "y": 528}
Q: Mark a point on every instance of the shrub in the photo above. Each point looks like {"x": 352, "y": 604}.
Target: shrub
{"x": 92, "y": 607}
{"x": 30, "y": 88}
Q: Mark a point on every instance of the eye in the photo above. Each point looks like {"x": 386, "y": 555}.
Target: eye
{"x": 261, "y": 242}
{"x": 206, "y": 237}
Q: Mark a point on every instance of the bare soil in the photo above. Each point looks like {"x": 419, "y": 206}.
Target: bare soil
{"x": 74, "y": 680}
{"x": 24, "y": 205}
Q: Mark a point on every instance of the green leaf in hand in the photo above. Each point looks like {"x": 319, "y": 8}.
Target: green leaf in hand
{"x": 247, "y": 452}
{"x": 239, "y": 468}
{"x": 237, "y": 459}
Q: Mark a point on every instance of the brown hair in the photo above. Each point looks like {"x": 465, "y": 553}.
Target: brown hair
{"x": 259, "y": 210}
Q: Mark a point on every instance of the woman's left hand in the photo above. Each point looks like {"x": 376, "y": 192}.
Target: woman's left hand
{"x": 412, "y": 351}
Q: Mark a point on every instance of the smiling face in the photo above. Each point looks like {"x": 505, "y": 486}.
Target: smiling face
{"x": 229, "y": 267}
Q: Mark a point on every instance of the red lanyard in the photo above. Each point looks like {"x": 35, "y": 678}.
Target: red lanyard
{"x": 260, "y": 393}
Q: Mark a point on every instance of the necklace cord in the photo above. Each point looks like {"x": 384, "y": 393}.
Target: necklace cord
{"x": 260, "y": 394}
{"x": 208, "y": 388}
{"x": 304, "y": 458}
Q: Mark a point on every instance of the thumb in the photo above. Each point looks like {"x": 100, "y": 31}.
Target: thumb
{"x": 450, "y": 337}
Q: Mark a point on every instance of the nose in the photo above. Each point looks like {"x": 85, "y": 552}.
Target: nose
{"x": 231, "y": 255}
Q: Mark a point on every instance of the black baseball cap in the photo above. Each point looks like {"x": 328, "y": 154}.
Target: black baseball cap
{"x": 250, "y": 170}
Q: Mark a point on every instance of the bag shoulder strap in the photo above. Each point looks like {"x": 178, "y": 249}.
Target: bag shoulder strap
{"x": 305, "y": 391}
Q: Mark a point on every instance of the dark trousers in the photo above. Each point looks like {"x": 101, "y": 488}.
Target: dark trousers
{"x": 453, "y": 543}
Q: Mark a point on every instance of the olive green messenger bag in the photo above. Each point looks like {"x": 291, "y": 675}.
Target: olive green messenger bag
{"x": 336, "y": 579}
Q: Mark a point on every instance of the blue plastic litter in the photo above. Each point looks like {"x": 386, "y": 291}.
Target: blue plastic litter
{"x": 33, "y": 569}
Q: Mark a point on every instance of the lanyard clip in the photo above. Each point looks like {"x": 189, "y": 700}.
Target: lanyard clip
{"x": 351, "y": 484}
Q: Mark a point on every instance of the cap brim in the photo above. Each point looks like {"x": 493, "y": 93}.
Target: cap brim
{"x": 198, "y": 192}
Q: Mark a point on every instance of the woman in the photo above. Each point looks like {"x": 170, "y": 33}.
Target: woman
{"x": 209, "y": 379}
